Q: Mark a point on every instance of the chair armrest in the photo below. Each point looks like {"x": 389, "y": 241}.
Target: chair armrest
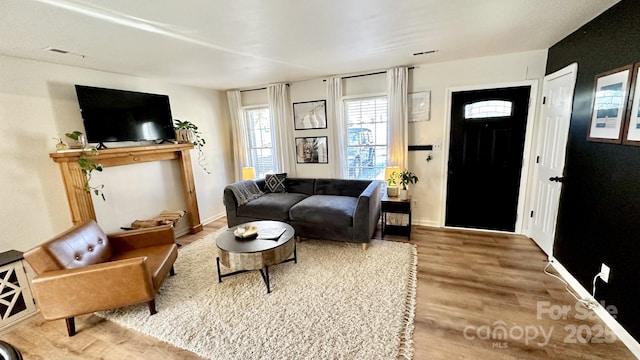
{"x": 141, "y": 238}
{"x": 367, "y": 213}
{"x": 67, "y": 293}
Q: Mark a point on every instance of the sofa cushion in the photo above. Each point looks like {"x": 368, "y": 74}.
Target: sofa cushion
{"x": 274, "y": 183}
{"x": 341, "y": 187}
{"x": 300, "y": 185}
{"x": 325, "y": 209}
{"x": 160, "y": 259}
{"x": 270, "y": 206}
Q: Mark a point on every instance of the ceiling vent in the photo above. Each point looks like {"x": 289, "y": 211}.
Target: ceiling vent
{"x": 425, "y": 52}
{"x": 61, "y": 51}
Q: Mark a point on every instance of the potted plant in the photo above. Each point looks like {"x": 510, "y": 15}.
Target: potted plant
{"x": 392, "y": 184}
{"x": 187, "y": 132}
{"x": 406, "y": 177}
{"x": 78, "y": 140}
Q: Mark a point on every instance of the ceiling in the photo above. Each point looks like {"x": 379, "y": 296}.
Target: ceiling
{"x": 242, "y": 43}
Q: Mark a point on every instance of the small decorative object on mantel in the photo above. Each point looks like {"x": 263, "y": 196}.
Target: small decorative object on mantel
{"x": 406, "y": 177}
{"x": 60, "y": 145}
{"x": 78, "y": 141}
{"x": 187, "y": 132}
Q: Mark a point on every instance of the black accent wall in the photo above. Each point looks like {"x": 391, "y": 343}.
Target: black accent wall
{"x": 599, "y": 215}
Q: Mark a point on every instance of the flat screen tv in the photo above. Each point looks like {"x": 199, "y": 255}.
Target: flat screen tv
{"x": 111, "y": 115}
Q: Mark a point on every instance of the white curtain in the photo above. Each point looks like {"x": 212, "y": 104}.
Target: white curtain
{"x": 397, "y": 80}
{"x": 338, "y": 127}
{"x": 281, "y": 115}
{"x": 239, "y": 132}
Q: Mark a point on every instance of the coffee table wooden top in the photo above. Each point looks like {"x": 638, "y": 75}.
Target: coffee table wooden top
{"x": 228, "y": 242}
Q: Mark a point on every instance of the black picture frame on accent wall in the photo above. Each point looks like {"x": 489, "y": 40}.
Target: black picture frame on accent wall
{"x": 310, "y": 115}
{"x": 609, "y": 107}
{"x": 631, "y": 135}
{"x": 312, "y": 150}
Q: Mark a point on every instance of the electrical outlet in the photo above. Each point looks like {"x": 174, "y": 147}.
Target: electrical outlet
{"x": 415, "y": 202}
{"x": 437, "y": 147}
{"x": 604, "y": 272}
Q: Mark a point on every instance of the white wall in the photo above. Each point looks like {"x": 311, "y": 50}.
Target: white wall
{"x": 38, "y": 101}
{"x": 438, "y": 79}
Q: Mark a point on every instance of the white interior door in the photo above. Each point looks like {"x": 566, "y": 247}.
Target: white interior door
{"x": 553, "y": 132}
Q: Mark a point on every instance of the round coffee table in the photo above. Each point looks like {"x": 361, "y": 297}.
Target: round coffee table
{"x": 256, "y": 253}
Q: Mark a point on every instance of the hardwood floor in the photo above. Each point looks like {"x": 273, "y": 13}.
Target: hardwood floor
{"x": 468, "y": 282}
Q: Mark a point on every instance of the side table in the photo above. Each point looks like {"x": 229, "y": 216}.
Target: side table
{"x": 15, "y": 294}
{"x": 394, "y": 205}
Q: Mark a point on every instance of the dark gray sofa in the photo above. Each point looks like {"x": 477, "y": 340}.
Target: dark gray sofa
{"x": 331, "y": 209}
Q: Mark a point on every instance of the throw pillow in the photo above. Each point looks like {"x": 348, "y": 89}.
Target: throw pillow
{"x": 275, "y": 182}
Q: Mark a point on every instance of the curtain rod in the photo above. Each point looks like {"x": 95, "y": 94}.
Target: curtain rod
{"x": 368, "y": 74}
{"x": 262, "y": 88}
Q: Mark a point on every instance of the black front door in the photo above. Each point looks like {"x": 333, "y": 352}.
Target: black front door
{"x": 485, "y": 157}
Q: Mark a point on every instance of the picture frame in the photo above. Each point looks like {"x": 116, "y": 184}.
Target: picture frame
{"x": 609, "y": 107}
{"x": 631, "y": 134}
{"x": 419, "y": 105}
{"x": 310, "y": 115}
{"x": 312, "y": 150}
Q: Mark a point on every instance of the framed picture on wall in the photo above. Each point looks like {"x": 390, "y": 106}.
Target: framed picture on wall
{"x": 610, "y": 99}
{"x": 312, "y": 150}
{"x": 419, "y": 105}
{"x": 632, "y": 125}
{"x": 310, "y": 115}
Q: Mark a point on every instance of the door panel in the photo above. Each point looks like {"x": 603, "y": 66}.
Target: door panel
{"x": 485, "y": 161}
{"x": 555, "y": 116}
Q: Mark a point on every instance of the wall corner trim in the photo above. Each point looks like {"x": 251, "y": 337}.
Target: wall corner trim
{"x": 622, "y": 334}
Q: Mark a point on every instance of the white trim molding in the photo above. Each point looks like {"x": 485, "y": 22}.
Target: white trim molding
{"x": 622, "y": 334}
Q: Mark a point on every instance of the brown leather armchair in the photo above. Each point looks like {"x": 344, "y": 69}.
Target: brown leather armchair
{"x": 83, "y": 270}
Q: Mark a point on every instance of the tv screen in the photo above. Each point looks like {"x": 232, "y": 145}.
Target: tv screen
{"x": 111, "y": 115}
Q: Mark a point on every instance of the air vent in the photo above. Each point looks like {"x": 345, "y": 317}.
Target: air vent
{"x": 425, "y": 52}
{"x": 61, "y": 51}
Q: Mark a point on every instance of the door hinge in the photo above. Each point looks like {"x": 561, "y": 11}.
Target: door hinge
{"x": 531, "y": 215}
{"x": 544, "y": 100}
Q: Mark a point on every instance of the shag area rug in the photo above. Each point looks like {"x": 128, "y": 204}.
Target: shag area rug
{"x": 337, "y": 302}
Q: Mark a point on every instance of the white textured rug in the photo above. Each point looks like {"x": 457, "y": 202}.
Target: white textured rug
{"x": 337, "y": 302}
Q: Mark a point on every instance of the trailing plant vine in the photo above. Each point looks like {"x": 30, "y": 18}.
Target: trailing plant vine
{"x": 88, "y": 165}
{"x": 196, "y": 138}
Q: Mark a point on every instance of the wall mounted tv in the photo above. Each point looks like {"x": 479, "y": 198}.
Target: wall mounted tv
{"x": 111, "y": 115}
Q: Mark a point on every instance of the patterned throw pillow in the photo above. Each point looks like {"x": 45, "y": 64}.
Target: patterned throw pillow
{"x": 275, "y": 182}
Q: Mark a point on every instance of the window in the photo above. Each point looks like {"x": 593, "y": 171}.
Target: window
{"x": 366, "y": 120}
{"x": 487, "y": 109}
{"x": 260, "y": 151}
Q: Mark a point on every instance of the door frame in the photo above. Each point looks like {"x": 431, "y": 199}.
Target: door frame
{"x": 523, "y": 195}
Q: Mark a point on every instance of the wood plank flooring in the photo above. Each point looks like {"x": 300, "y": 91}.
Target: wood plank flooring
{"x": 469, "y": 283}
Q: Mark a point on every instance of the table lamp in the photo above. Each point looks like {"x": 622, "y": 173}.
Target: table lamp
{"x": 248, "y": 173}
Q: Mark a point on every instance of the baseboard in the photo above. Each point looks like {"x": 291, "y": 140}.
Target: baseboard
{"x": 425, "y": 223}
{"x": 602, "y": 313}
{"x": 213, "y": 218}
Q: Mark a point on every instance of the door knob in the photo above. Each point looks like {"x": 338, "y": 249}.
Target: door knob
{"x": 557, "y": 179}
